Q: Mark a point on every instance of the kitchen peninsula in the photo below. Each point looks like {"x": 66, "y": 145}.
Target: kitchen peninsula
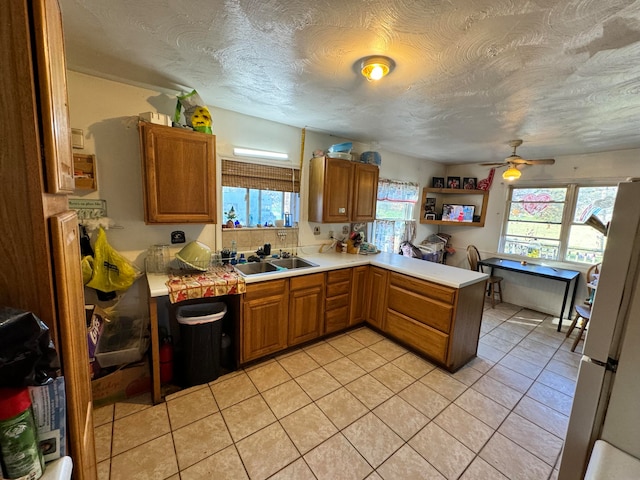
{"x": 433, "y": 309}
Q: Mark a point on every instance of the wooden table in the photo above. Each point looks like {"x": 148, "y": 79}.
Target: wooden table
{"x": 562, "y": 275}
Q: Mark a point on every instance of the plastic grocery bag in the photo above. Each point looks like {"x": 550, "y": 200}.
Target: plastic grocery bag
{"x": 27, "y": 354}
{"x": 196, "y": 114}
{"x": 111, "y": 271}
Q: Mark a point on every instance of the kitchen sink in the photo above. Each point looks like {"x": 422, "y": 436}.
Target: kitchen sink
{"x": 273, "y": 265}
{"x": 292, "y": 262}
{"x": 255, "y": 267}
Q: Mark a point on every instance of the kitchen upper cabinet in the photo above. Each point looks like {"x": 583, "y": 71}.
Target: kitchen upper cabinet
{"x": 305, "y": 308}
{"x": 341, "y": 191}
{"x": 365, "y": 192}
{"x": 377, "y": 292}
{"x": 54, "y": 104}
{"x": 263, "y": 328}
{"x": 179, "y": 175}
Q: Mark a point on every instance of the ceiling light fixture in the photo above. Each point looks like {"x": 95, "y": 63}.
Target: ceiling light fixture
{"x": 250, "y": 152}
{"x": 511, "y": 173}
{"x": 376, "y": 67}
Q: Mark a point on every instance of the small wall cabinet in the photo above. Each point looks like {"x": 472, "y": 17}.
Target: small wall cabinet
{"x": 179, "y": 175}
{"x": 341, "y": 191}
{"x": 455, "y": 196}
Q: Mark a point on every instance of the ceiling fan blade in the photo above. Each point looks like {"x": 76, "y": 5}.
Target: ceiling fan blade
{"x": 540, "y": 161}
{"x": 500, "y": 164}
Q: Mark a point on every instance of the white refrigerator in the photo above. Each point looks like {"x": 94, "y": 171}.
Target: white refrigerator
{"x": 607, "y": 398}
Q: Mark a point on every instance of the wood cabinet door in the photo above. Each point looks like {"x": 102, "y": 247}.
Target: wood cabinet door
{"x": 179, "y": 175}
{"x": 306, "y": 308}
{"x": 377, "y": 293}
{"x": 337, "y": 191}
{"x": 358, "y": 310}
{"x": 365, "y": 193}
{"x": 65, "y": 241}
{"x": 51, "y": 75}
{"x": 263, "y": 326}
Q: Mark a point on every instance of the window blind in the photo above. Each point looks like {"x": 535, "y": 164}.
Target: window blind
{"x": 260, "y": 177}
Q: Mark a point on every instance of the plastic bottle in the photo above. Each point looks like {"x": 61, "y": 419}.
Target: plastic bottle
{"x": 18, "y": 435}
{"x": 242, "y": 259}
{"x": 234, "y": 249}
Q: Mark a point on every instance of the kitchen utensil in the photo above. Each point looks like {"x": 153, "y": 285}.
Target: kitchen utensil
{"x": 195, "y": 255}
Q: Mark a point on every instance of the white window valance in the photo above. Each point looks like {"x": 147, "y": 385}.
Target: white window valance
{"x": 397, "y": 191}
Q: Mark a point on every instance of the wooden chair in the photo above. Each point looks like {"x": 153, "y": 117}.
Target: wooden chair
{"x": 583, "y": 312}
{"x": 494, "y": 284}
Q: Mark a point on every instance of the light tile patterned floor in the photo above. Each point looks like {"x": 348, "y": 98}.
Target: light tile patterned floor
{"x": 360, "y": 406}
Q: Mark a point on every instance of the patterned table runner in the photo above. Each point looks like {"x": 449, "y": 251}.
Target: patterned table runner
{"x": 215, "y": 282}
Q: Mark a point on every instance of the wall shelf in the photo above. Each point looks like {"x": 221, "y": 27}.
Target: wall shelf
{"x": 440, "y": 193}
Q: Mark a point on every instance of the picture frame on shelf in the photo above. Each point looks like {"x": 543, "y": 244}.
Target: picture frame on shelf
{"x": 437, "y": 182}
{"x": 429, "y": 216}
{"x": 453, "y": 182}
{"x": 469, "y": 183}
{"x": 430, "y": 205}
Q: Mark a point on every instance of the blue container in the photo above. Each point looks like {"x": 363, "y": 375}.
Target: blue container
{"x": 373, "y": 158}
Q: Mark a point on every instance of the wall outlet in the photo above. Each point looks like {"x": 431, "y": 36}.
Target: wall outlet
{"x": 345, "y": 230}
{"x": 316, "y": 230}
{"x": 177, "y": 237}
{"x": 330, "y": 233}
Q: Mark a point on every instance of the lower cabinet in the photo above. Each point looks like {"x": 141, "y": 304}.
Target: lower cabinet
{"x": 377, "y": 293}
{"x": 263, "y": 329}
{"x": 306, "y": 308}
{"x": 359, "y": 298}
{"x": 441, "y": 322}
{"x": 338, "y": 297}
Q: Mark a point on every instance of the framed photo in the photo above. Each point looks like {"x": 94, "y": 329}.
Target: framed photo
{"x": 469, "y": 183}
{"x": 437, "y": 182}
{"x": 453, "y": 182}
{"x": 430, "y": 205}
{"x": 429, "y": 216}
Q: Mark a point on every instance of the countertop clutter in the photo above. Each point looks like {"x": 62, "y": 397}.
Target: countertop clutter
{"x": 434, "y": 272}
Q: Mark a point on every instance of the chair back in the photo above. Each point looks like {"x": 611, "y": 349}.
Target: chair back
{"x": 473, "y": 257}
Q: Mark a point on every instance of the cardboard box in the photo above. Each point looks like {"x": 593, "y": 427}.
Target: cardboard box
{"x": 126, "y": 382}
{"x": 49, "y": 413}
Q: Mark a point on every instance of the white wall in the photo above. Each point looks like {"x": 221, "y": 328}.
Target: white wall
{"x": 539, "y": 294}
{"x": 107, "y": 111}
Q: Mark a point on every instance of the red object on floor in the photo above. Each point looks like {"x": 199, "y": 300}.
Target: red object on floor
{"x": 166, "y": 361}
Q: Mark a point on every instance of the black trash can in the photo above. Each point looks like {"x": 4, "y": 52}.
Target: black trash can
{"x": 201, "y": 337}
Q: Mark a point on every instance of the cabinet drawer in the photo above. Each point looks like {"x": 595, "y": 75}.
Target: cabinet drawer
{"x": 424, "y": 288}
{"x": 342, "y": 288}
{"x": 433, "y": 313}
{"x": 306, "y": 281}
{"x": 265, "y": 289}
{"x": 428, "y": 340}
{"x": 336, "y": 319}
{"x": 337, "y": 301}
{"x": 342, "y": 275}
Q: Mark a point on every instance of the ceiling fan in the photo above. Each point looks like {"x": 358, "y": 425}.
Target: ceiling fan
{"x": 514, "y": 160}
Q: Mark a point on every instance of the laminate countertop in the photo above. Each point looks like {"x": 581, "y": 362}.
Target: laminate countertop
{"x": 434, "y": 272}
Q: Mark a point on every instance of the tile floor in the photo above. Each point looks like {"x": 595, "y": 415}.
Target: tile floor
{"x": 360, "y": 406}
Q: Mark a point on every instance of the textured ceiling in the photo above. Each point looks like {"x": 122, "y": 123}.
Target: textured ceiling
{"x": 470, "y": 74}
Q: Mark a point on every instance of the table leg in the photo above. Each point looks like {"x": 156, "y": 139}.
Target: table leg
{"x": 155, "y": 351}
{"x": 573, "y": 296}
{"x": 564, "y": 304}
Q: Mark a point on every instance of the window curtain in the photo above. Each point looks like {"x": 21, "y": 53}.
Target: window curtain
{"x": 390, "y": 233}
{"x": 395, "y": 191}
{"x": 260, "y": 177}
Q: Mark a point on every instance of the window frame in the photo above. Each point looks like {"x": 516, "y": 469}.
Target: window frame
{"x": 568, "y": 214}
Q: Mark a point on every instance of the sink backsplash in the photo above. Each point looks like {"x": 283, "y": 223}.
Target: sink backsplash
{"x": 250, "y": 239}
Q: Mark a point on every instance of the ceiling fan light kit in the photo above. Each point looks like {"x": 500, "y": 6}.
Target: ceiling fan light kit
{"x": 513, "y": 160}
{"x": 375, "y": 67}
{"x": 511, "y": 173}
